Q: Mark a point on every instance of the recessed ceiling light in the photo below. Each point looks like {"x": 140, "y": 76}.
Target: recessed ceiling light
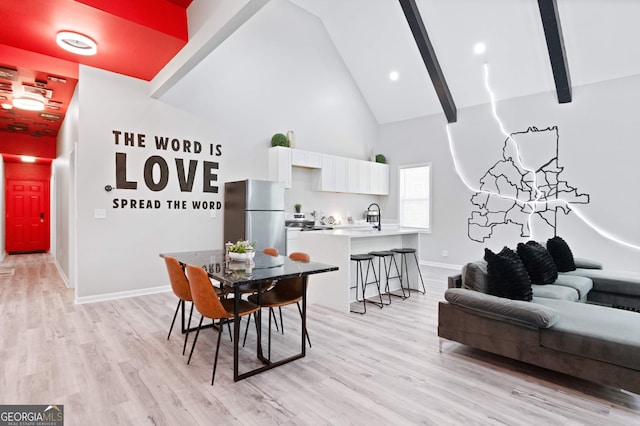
{"x": 479, "y": 48}
{"x": 393, "y": 75}
{"x": 7, "y": 106}
{"x": 29, "y": 104}
{"x": 28, "y": 159}
{"x": 76, "y": 43}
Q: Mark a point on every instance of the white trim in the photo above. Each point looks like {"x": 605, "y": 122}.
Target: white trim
{"x": 122, "y": 294}
{"x": 441, "y": 265}
{"x": 400, "y": 169}
{"x": 61, "y": 273}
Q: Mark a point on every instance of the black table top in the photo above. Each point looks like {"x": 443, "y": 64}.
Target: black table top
{"x": 263, "y": 268}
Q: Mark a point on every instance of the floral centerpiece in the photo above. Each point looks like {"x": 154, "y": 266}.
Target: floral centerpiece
{"x": 242, "y": 250}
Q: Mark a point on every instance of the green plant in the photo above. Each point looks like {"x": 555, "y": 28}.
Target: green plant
{"x": 380, "y": 158}
{"x": 279, "y": 140}
{"x": 298, "y": 207}
{"x": 242, "y": 246}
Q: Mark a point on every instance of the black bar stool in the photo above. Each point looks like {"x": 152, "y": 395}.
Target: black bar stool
{"x": 403, "y": 252}
{"x": 362, "y": 279}
{"x": 382, "y": 257}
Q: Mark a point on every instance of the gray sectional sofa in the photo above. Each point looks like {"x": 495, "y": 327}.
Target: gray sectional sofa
{"x": 567, "y": 327}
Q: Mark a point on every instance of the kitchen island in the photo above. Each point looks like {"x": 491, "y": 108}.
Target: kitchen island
{"x": 336, "y": 246}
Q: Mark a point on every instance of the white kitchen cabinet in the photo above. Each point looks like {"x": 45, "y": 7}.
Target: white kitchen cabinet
{"x": 332, "y": 177}
{"x": 302, "y": 158}
{"x": 379, "y": 179}
{"x": 364, "y": 177}
{"x": 280, "y": 165}
{"x": 340, "y": 173}
{"x": 333, "y": 173}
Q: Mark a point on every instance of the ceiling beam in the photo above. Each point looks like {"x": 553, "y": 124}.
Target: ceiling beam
{"x": 555, "y": 46}
{"x": 412, "y": 14}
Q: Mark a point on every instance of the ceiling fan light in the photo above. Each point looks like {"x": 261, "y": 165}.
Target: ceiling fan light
{"x": 28, "y": 104}
{"x": 76, "y": 43}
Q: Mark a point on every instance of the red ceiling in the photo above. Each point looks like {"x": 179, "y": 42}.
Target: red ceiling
{"x": 135, "y": 38}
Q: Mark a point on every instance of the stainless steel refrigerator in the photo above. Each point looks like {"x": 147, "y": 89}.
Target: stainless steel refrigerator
{"x": 254, "y": 211}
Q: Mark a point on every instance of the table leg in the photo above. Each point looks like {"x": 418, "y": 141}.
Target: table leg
{"x": 236, "y": 331}
{"x": 304, "y": 315}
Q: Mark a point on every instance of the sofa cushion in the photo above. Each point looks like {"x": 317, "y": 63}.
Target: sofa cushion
{"x": 500, "y": 308}
{"x": 507, "y": 276}
{"x": 561, "y": 254}
{"x": 623, "y": 283}
{"x": 582, "y": 285}
{"x": 596, "y": 332}
{"x": 587, "y": 263}
{"x": 474, "y": 276}
{"x": 552, "y": 291}
{"x": 538, "y": 261}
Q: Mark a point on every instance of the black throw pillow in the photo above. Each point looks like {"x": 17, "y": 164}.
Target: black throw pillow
{"x": 561, "y": 254}
{"x": 507, "y": 276}
{"x": 539, "y": 263}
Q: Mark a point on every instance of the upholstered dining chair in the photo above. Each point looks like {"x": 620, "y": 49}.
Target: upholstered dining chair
{"x": 181, "y": 289}
{"x": 210, "y": 305}
{"x": 284, "y": 292}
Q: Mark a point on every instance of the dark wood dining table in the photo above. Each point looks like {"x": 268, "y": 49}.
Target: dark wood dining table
{"x": 263, "y": 269}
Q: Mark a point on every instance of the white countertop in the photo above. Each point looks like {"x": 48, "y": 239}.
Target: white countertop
{"x": 367, "y": 232}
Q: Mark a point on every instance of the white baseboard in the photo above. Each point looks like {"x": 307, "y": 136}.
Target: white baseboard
{"x": 441, "y": 265}
{"x": 122, "y": 294}
{"x": 61, "y": 273}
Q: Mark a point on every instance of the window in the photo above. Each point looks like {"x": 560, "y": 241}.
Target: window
{"x": 414, "y": 196}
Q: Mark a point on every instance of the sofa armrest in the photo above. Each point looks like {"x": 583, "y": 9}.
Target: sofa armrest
{"x": 455, "y": 281}
{"x": 587, "y": 263}
{"x": 515, "y": 311}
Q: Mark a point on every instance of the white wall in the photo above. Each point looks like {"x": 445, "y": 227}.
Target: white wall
{"x": 597, "y": 148}
{"x": 62, "y": 189}
{"x": 281, "y": 72}
{"x": 120, "y": 253}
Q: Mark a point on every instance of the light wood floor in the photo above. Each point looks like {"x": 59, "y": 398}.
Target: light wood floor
{"x": 110, "y": 363}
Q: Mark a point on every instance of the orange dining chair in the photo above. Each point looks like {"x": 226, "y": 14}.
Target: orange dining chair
{"x": 210, "y": 305}
{"x": 181, "y": 289}
{"x": 270, "y": 251}
{"x": 285, "y": 292}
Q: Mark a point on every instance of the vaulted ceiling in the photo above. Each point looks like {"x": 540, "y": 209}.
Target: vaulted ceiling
{"x": 373, "y": 38}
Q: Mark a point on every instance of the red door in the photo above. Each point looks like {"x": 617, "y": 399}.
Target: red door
{"x": 27, "y": 221}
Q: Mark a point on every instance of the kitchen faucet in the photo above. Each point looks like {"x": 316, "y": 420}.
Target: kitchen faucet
{"x": 379, "y": 226}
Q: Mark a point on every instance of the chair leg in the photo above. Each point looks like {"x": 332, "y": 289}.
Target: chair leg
{"x": 186, "y": 336}
{"x": 174, "y": 318}
{"x": 281, "y": 322}
{"x": 269, "y": 341}
{"x": 195, "y": 340}
{"x": 359, "y": 272}
{"x": 246, "y": 330}
{"x": 305, "y": 329}
{"x": 424, "y": 290}
{"x": 215, "y": 363}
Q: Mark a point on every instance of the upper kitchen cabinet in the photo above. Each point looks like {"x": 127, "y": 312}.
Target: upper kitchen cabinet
{"x": 332, "y": 174}
{"x": 379, "y": 178}
{"x": 280, "y": 165}
{"x": 301, "y": 158}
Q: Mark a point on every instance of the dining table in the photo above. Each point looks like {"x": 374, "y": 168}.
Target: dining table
{"x": 254, "y": 273}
